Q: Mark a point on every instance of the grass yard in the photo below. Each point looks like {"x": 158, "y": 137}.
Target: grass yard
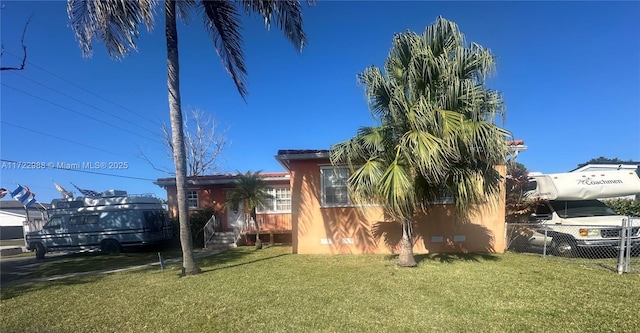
{"x": 11, "y": 242}
{"x": 274, "y": 291}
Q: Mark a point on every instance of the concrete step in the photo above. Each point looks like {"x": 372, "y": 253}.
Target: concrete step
{"x": 222, "y": 240}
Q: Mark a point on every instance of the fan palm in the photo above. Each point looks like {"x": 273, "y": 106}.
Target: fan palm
{"x": 249, "y": 190}
{"x": 435, "y": 131}
{"x": 116, "y": 23}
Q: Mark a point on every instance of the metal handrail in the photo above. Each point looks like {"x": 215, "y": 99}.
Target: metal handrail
{"x": 209, "y": 230}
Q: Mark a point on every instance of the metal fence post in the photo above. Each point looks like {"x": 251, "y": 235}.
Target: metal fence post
{"x": 628, "y": 228}
{"x": 623, "y": 242}
{"x": 544, "y": 247}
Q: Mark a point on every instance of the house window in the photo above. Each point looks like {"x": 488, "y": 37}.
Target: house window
{"x": 280, "y": 201}
{"x": 192, "y": 199}
{"x": 335, "y": 191}
{"x": 444, "y": 198}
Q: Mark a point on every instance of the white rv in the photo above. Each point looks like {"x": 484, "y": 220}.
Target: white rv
{"x": 107, "y": 223}
{"x": 569, "y": 217}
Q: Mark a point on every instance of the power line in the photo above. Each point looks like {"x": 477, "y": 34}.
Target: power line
{"x": 76, "y": 112}
{"x": 84, "y": 171}
{"x": 66, "y": 140}
{"x": 84, "y": 103}
{"x": 84, "y": 89}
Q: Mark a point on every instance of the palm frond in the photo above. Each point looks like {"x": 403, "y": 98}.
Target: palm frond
{"x": 222, "y": 21}
{"x": 287, "y": 15}
{"x": 183, "y": 7}
{"x": 425, "y": 152}
{"x": 249, "y": 188}
{"x": 364, "y": 181}
{"x": 396, "y": 189}
{"x": 116, "y": 23}
{"x": 377, "y": 91}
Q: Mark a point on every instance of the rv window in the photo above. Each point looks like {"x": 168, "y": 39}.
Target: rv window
{"x": 543, "y": 209}
{"x": 75, "y": 220}
{"x": 581, "y": 208}
{"x": 154, "y": 219}
{"x": 530, "y": 185}
{"x": 54, "y": 223}
{"x": 91, "y": 219}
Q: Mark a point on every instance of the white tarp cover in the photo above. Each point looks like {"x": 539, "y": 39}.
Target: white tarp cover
{"x": 586, "y": 185}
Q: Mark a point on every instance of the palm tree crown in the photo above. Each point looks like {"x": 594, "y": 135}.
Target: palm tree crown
{"x": 250, "y": 190}
{"x": 436, "y": 126}
{"x": 117, "y": 23}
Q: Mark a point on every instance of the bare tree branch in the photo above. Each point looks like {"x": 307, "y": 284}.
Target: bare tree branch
{"x": 24, "y": 50}
{"x": 204, "y": 144}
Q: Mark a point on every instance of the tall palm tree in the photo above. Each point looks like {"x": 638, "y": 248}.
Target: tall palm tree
{"x": 116, "y": 23}
{"x": 435, "y": 132}
{"x": 249, "y": 190}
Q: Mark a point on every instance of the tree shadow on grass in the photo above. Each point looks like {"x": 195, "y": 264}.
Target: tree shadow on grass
{"x": 9, "y": 292}
{"x": 232, "y": 259}
{"x": 454, "y": 257}
{"x": 450, "y": 258}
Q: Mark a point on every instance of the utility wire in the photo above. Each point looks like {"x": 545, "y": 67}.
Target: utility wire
{"x": 66, "y": 140}
{"x": 84, "y": 89}
{"x": 76, "y": 112}
{"x": 84, "y": 103}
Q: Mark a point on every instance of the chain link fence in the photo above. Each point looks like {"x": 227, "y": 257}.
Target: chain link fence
{"x": 613, "y": 247}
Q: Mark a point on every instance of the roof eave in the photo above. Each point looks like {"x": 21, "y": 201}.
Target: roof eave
{"x": 166, "y": 182}
{"x": 284, "y": 159}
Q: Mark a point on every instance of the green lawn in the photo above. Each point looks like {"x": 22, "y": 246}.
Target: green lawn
{"x": 12, "y": 242}
{"x": 274, "y": 291}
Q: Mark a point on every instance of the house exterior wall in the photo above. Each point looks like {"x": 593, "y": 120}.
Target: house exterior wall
{"x": 214, "y": 196}
{"x": 274, "y": 222}
{"x": 343, "y": 230}
{"x": 172, "y": 201}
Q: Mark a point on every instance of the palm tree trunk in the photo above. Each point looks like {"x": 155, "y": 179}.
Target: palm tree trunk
{"x": 255, "y": 221}
{"x": 179, "y": 156}
{"x": 406, "y": 258}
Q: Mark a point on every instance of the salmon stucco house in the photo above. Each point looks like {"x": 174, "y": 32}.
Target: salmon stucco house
{"x": 311, "y": 209}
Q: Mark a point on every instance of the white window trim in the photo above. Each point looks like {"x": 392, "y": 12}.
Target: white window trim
{"x": 189, "y": 199}
{"x": 272, "y": 191}
{"x": 323, "y": 203}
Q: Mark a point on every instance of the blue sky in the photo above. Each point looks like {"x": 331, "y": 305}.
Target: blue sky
{"x": 569, "y": 72}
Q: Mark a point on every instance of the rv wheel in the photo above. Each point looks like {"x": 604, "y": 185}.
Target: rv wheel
{"x": 564, "y": 247}
{"x": 40, "y": 251}
{"x": 110, "y": 246}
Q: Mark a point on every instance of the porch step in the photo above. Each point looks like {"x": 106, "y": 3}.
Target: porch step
{"x": 222, "y": 240}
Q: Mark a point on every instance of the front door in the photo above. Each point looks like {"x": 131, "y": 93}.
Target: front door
{"x": 235, "y": 219}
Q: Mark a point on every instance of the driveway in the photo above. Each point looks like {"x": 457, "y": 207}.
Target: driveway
{"x": 15, "y": 270}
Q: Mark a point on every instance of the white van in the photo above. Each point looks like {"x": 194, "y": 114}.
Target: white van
{"x": 569, "y": 216}
{"x": 107, "y": 223}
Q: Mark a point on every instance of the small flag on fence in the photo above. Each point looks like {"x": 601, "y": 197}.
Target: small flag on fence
{"x": 88, "y": 193}
{"x": 65, "y": 194}
{"x": 3, "y": 192}
{"x": 22, "y": 194}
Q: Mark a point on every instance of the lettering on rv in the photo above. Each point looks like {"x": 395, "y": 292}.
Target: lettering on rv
{"x": 589, "y": 181}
